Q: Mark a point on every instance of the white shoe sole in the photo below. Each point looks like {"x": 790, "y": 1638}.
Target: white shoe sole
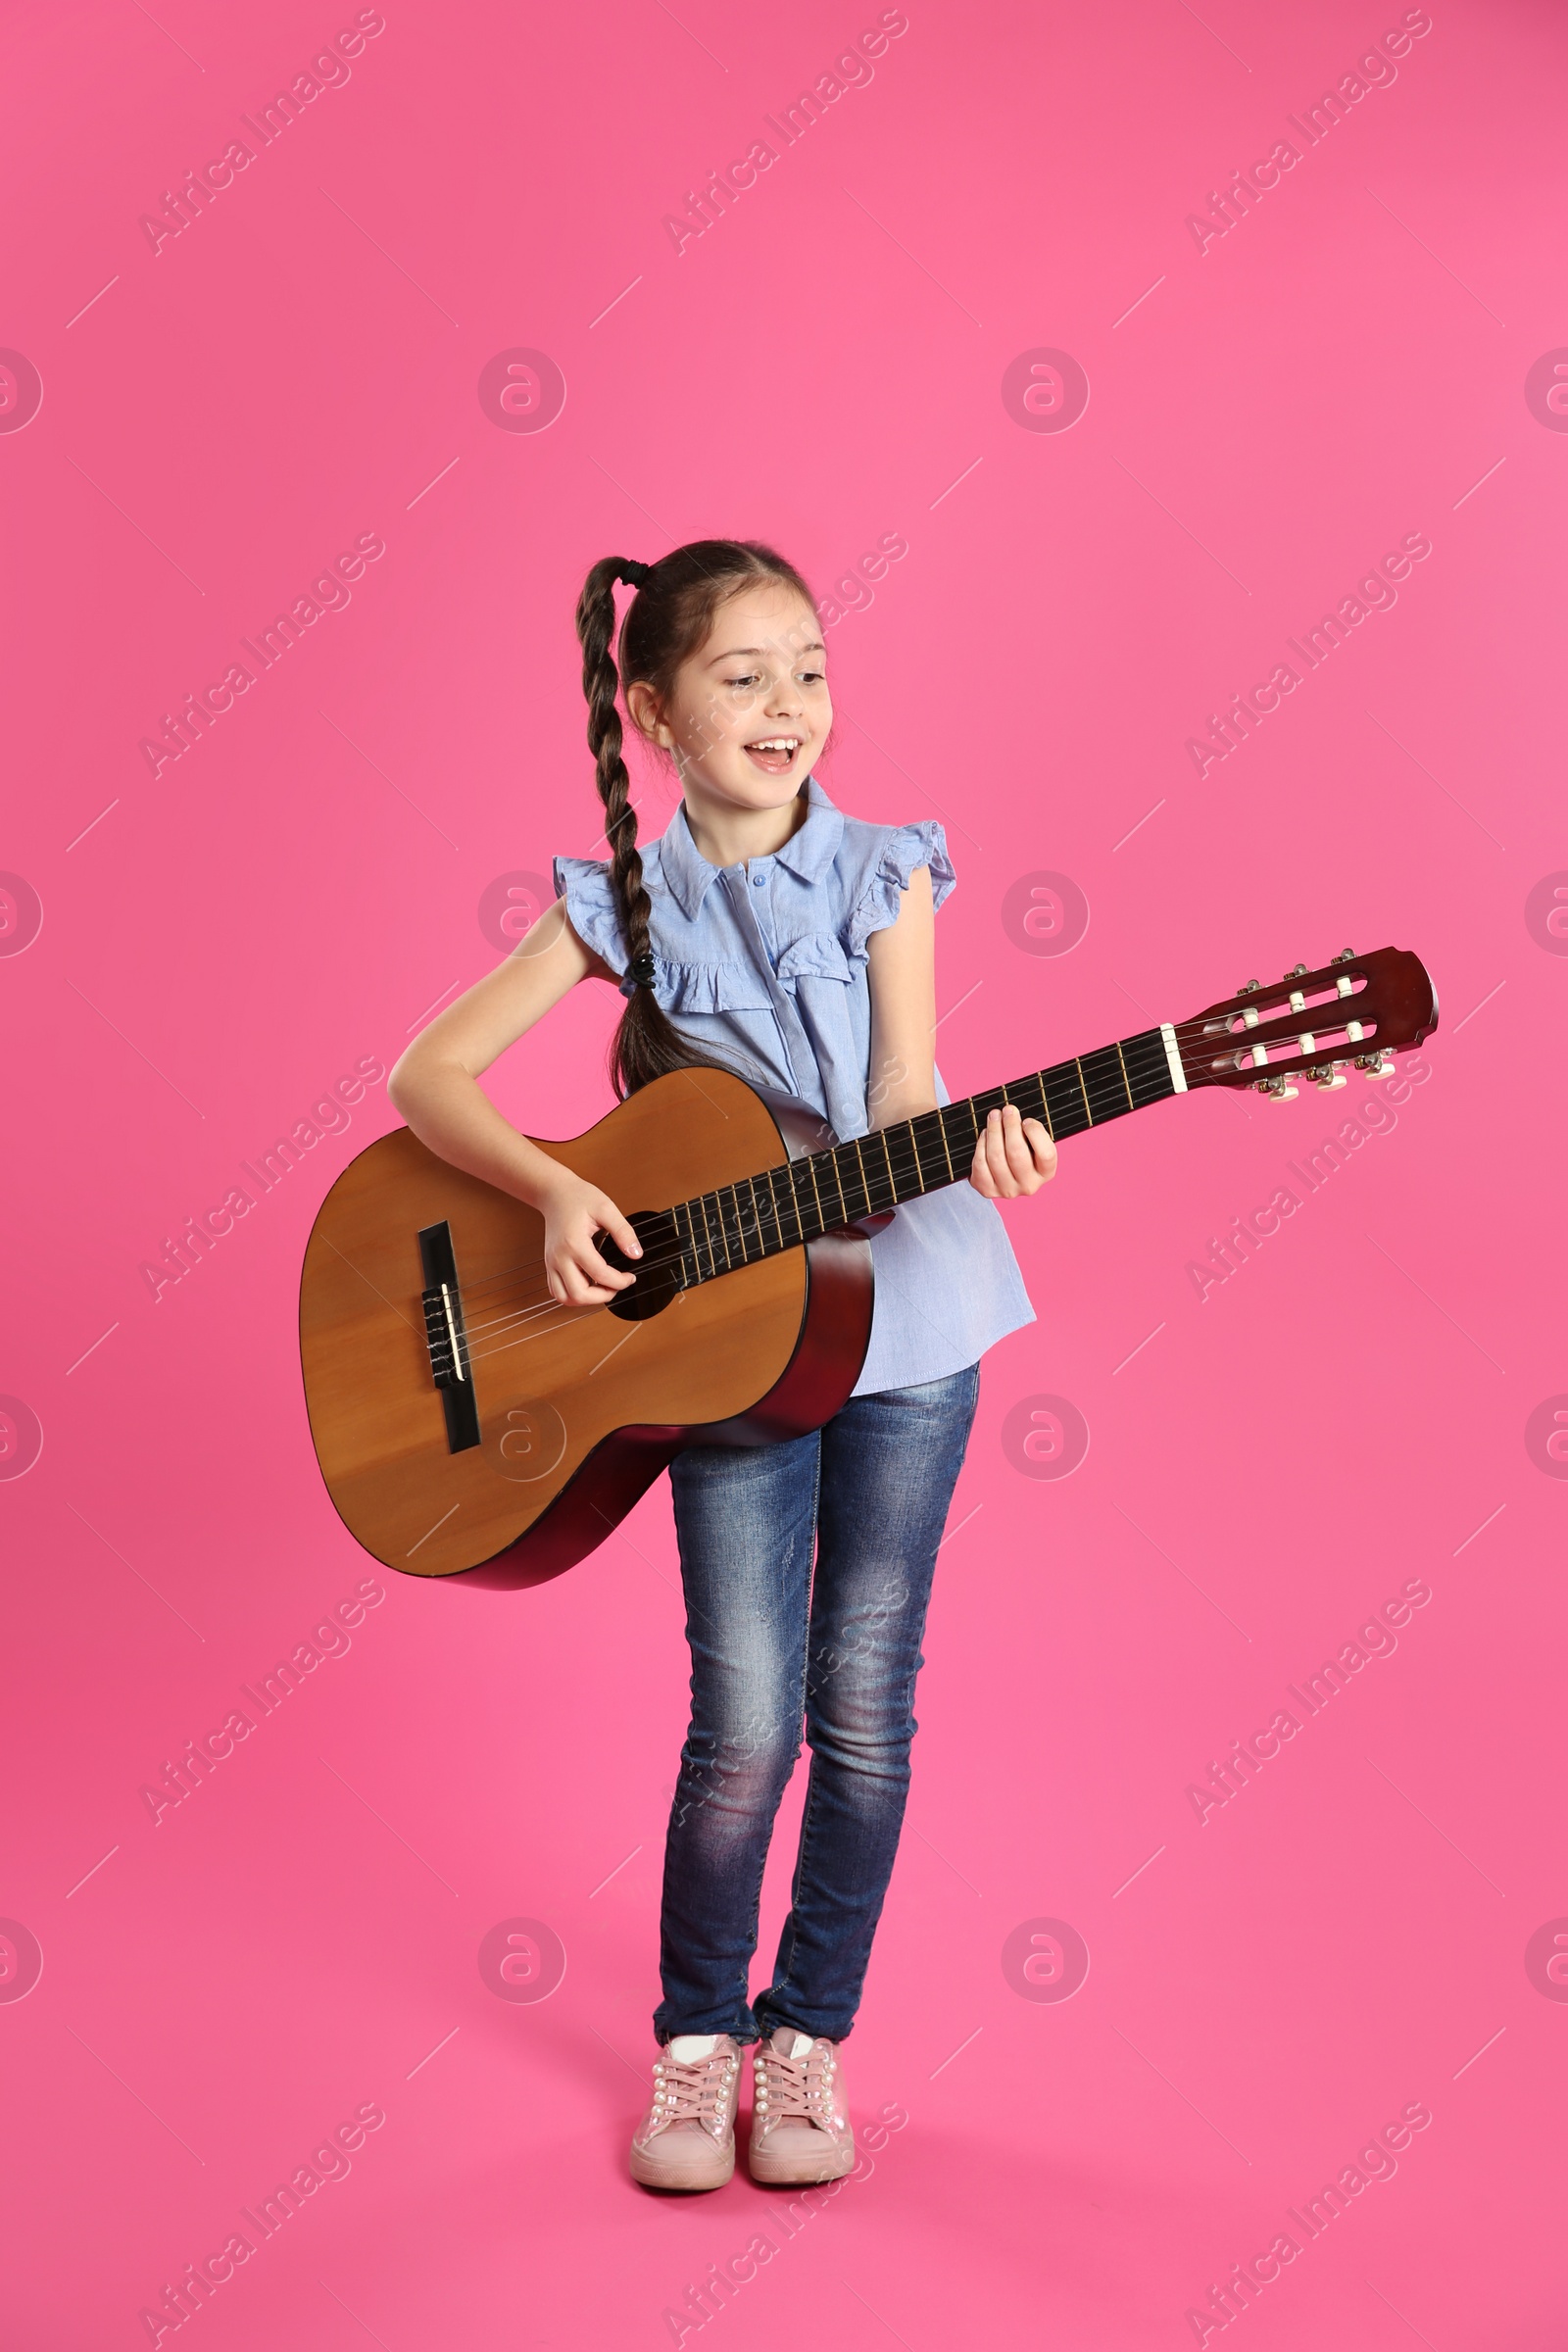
{"x": 790, "y": 2160}
{"x": 693, "y": 2168}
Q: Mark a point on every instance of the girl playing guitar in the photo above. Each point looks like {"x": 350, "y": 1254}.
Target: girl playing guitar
{"x": 769, "y": 934}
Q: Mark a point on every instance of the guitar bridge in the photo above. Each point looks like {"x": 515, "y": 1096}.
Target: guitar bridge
{"x": 446, "y": 1338}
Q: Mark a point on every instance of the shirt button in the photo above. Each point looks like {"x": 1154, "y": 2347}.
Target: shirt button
{"x": 759, "y": 881}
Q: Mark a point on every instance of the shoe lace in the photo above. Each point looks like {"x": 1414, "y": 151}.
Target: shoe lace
{"x": 800, "y": 2089}
{"x": 692, "y": 2090}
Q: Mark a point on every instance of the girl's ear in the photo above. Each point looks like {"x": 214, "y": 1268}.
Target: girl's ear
{"x": 642, "y": 703}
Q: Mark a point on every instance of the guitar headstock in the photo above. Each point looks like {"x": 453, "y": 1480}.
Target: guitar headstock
{"x": 1353, "y": 1013}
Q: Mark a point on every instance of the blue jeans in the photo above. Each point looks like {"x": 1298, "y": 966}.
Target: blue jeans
{"x": 771, "y": 1646}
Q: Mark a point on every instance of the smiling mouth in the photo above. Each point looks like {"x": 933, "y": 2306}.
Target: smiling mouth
{"x": 775, "y": 755}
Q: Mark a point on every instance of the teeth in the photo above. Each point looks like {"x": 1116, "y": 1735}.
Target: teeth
{"x": 790, "y": 742}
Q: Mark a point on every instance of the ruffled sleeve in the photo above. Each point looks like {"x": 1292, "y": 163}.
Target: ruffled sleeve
{"x": 905, "y": 847}
{"x": 590, "y": 898}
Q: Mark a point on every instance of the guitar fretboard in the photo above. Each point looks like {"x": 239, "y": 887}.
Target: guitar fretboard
{"x": 801, "y": 1199}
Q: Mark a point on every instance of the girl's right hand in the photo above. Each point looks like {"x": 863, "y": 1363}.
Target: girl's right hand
{"x": 574, "y": 1210}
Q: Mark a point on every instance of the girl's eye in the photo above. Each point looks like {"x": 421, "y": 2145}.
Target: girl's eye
{"x": 807, "y": 677}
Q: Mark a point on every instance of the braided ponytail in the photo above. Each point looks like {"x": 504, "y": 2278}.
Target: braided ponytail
{"x": 669, "y": 619}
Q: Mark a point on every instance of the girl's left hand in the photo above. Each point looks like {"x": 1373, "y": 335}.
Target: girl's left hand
{"x": 1012, "y": 1156}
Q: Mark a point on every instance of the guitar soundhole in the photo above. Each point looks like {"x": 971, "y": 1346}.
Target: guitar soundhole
{"x": 659, "y": 1273}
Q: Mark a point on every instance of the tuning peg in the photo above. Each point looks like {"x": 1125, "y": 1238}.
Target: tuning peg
{"x": 1278, "y": 1090}
{"x": 1295, "y": 972}
{"x": 1344, "y": 955}
{"x": 1248, "y": 987}
{"x": 1376, "y": 1067}
{"x": 1327, "y": 1085}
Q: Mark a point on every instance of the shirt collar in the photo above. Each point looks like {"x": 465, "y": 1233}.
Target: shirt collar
{"x": 809, "y": 851}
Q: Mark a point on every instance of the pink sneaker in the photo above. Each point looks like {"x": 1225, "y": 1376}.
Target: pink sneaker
{"x": 687, "y": 2138}
{"x": 800, "y": 2128}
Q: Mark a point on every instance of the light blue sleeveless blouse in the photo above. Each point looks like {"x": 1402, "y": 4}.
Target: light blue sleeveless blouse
{"x": 768, "y": 973}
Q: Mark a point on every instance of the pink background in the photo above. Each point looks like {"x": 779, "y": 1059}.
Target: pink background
{"x": 220, "y": 942}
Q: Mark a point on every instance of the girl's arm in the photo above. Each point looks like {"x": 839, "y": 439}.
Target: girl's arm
{"x": 436, "y": 1086}
{"x": 1012, "y": 1155}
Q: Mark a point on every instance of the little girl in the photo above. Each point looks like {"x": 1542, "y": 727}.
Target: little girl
{"x": 769, "y": 934}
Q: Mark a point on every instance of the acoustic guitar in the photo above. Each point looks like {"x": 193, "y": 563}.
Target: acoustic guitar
{"x": 468, "y": 1424}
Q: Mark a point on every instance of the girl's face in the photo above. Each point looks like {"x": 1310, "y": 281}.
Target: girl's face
{"x": 750, "y": 711}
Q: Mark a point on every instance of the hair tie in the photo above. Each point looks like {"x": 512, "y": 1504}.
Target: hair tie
{"x": 639, "y": 972}
{"x": 632, "y": 572}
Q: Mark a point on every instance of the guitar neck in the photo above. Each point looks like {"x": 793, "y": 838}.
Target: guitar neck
{"x": 801, "y": 1198}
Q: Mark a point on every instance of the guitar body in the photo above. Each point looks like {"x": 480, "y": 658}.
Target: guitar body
{"x": 574, "y": 1410}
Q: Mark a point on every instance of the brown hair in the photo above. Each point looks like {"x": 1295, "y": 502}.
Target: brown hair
{"x": 667, "y": 620}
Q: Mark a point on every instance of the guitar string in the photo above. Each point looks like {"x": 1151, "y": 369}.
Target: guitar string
{"x": 1194, "y": 1029}
{"x": 568, "y": 1314}
{"x": 538, "y": 1311}
{"x": 571, "y": 1312}
{"x": 576, "y": 1315}
{"x": 526, "y": 1310}
{"x": 529, "y": 1310}
{"x": 745, "y": 1228}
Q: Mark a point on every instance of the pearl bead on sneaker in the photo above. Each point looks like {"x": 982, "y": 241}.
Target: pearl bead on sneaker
{"x": 800, "y": 2128}
{"x": 687, "y": 2138}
